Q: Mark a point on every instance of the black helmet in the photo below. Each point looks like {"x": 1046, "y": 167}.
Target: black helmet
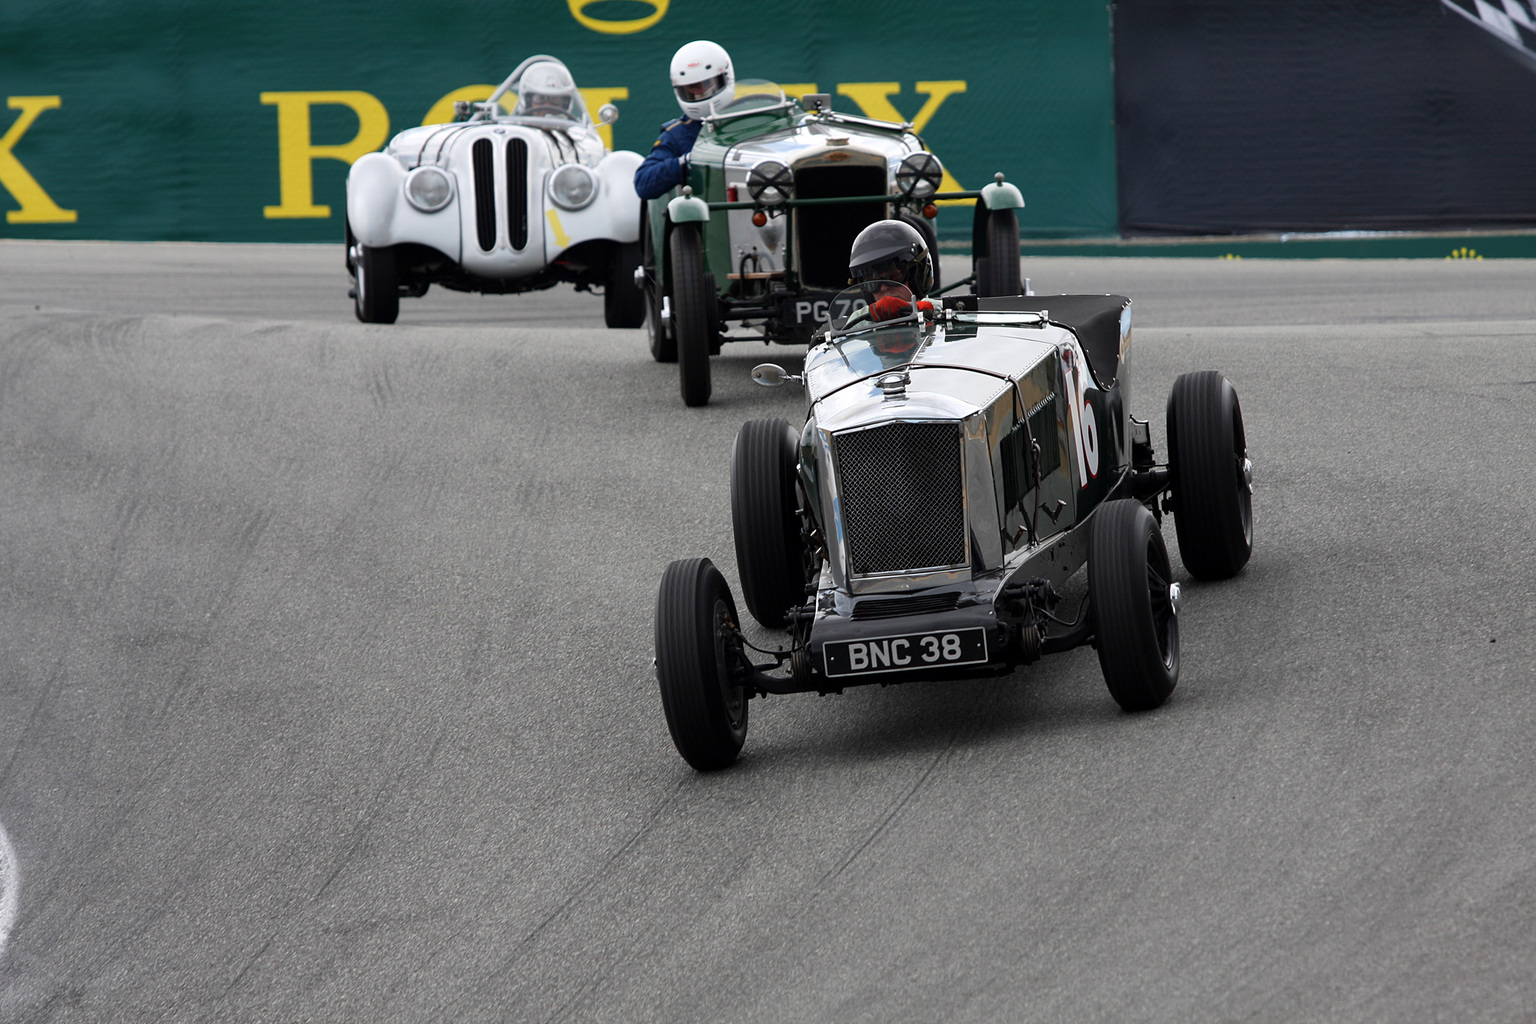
{"x": 892, "y": 250}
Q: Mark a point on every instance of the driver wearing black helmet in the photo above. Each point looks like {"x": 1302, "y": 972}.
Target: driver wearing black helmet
{"x": 891, "y": 261}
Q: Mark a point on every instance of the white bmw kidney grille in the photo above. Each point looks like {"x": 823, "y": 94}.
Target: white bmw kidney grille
{"x": 482, "y": 159}
{"x": 903, "y": 504}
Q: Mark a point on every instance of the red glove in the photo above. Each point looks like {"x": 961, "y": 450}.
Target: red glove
{"x": 889, "y": 307}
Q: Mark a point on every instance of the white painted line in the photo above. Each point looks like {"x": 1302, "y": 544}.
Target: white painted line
{"x": 10, "y": 882}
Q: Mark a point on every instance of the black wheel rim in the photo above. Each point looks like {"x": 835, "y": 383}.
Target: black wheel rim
{"x": 732, "y": 696}
{"x": 1159, "y": 589}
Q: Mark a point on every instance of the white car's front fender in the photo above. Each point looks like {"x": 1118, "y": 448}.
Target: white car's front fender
{"x": 613, "y": 215}
{"x": 374, "y": 191}
{"x": 380, "y": 214}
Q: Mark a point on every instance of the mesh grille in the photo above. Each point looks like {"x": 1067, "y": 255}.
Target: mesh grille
{"x": 903, "y": 503}
{"x": 485, "y": 194}
{"x": 517, "y": 192}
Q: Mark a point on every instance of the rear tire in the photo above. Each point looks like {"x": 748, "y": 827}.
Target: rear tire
{"x": 998, "y": 273}
{"x": 770, "y": 552}
{"x": 691, "y": 319}
{"x": 1210, "y": 475}
{"x": 1136, "y": 625}
{"x": 706, "y": 711}
{"x": 623, "y": 300}
{"x": 377, "y": 291}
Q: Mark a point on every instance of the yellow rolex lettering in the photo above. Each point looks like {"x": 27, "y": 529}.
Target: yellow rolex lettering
{"x": 561, "y": 238}
{"x": 874, "y": 99}
{"x": 937, "y": 93}
{"x": 36, "y": 205}
{"x": 617, "y": 28}
{"x": 297, "y": 152}
{"x": 594, "y": 99}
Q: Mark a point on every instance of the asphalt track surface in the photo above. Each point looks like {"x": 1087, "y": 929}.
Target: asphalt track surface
{"x": 326, "y": 687}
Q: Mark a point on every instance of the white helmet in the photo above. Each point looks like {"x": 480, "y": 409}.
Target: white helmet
{"x": 702, "y": 78}
{"x": 546, "y": 89}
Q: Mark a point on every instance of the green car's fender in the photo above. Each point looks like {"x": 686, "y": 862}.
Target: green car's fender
{"x": 687, "y": 208}
{"x": 1002, "y": 195}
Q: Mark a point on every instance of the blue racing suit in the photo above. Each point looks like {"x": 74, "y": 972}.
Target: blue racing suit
{"x": 667, "y": 165}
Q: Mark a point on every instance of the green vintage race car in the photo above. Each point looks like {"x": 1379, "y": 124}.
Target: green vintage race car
{"x": 755, "y": 246}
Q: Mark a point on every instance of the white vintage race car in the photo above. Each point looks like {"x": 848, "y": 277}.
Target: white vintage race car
{"x": 496, "y": 202}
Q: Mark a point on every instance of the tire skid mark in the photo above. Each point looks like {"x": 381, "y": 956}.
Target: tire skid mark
{"x": 251, "y": 533}
{"x": 388, "y": 789}
{"x": 246, "y": 540}
{"x": 381, "y": 798}
{"x": 892, "y": 812}
{"x": 381, "y": 385}
{"x": 50, "y": 690}
{"x": 250, "y": 962}
{"x": 599, "y": 874}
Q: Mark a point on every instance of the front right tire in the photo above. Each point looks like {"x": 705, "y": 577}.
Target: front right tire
{"x": 691, "y": 300}
{"x": 770, "y": 551}
{"x": 376, "y": 296}
{"x": 706, "y": 710}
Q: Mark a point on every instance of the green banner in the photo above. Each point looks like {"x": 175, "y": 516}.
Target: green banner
{"x": 236, "y": 122}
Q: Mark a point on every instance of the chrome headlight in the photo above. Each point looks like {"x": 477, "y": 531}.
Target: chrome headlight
{"x": 919, "y": 175}
{"x": 428, "y": 188}
{"x": 573, "y": 186}
{"x": 770, "y": 183}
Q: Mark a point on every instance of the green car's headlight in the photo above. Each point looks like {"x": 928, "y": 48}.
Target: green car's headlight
{"x": 428, "y": 188}
{"x": 770, "y": 183}
{"x": 573, "y": 186}
{"x": 919, "y": 175}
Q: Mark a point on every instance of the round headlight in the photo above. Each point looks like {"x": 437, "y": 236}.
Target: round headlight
{"x": 770, "y": 183}
{"x": 573, "y": 186}
{"x": 428, "y": 189}
{"x": 919, "y": 175}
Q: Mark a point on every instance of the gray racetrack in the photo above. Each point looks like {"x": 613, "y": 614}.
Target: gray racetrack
{"x": 326, "y": 689}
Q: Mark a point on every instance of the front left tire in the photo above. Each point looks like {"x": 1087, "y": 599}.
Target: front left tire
{"x": 706, "y": 710}
{"x": 996, "y": 237}
{"x": 1135, "y": 605}
{"x": 623, "y": 300}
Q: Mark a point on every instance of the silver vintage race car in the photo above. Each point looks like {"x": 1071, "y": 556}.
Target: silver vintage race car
{"x": 754, "y": 246}
{"x": 958, "y": 464}
{"x": 498, "y": 202}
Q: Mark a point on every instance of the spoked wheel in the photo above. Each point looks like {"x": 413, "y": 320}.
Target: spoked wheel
{"x": 770, "y": 552}
{"x": 691, "y": 296}
{"x": 663, "y": 341}
{"x": 1211, "y": 475}
{"x": 695, "y": 619}
{"x": 1135, "y": 605}
{"x": 623, "y": 300}
{"x": 995, "y": 246}
{"x": 377, "y": 294}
